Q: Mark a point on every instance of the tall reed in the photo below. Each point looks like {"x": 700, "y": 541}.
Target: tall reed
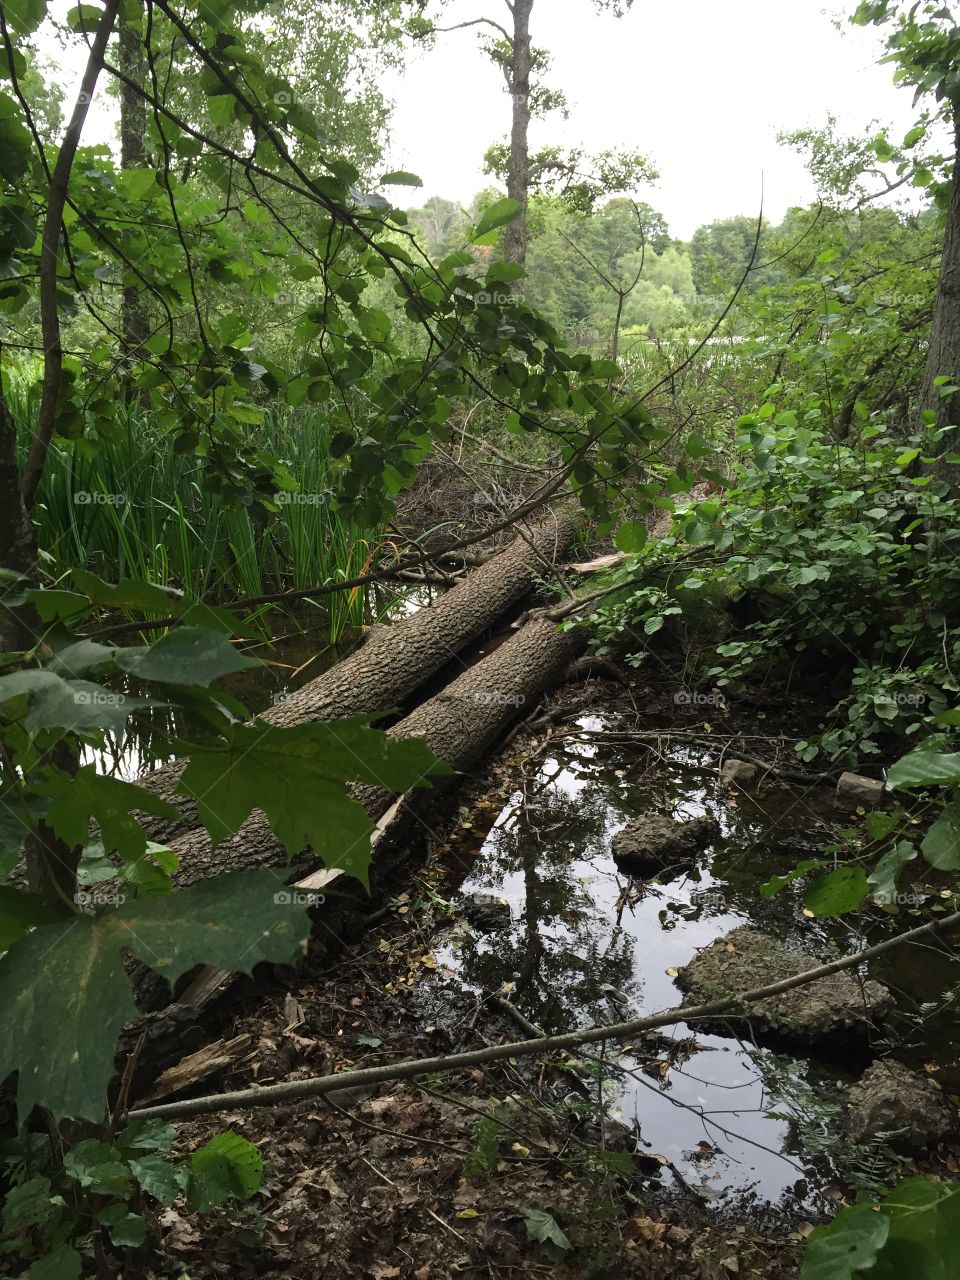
{"x": 133, "y": 507}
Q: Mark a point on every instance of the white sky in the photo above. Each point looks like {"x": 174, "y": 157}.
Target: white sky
{"x": 702, "y": 86}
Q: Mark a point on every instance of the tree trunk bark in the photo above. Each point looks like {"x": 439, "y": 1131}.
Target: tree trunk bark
{"x": 518, "y": 174}
{"x": 396, "y": 660}
{"x": 133, "y": 155}
{"x": 943, "y": 353}
{"x": 18, "y": 544}
{"x": 458, "y": 724}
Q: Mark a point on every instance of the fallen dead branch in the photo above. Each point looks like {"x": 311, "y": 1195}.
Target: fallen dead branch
{"x": 273, "y": 1095}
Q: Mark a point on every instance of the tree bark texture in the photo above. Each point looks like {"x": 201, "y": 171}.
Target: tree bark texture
{"x": 518, "y": 174}
{"x": 396, "y": 660}
{"x": 943, "y": 353}
{"x": 458, "y": 724}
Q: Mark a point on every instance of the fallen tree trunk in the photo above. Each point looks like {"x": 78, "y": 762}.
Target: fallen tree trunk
{"x": 461, "y": 721}
{"x": 458, "y": 724}
{"x": 396, "y": 660}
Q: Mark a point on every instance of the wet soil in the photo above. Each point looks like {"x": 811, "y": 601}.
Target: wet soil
{"x": 688, "y": 1153}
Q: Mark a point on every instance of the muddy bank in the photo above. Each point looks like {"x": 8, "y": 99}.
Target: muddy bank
{"x": 708, "y": 1150}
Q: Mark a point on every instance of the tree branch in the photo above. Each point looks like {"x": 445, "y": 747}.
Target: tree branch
{"x": 477, "y": 22}
{"x": 49, "y": 255}
{"x": 294, "y": 1090}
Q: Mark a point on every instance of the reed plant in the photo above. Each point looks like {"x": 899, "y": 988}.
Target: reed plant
{"x": 134, "y": 507}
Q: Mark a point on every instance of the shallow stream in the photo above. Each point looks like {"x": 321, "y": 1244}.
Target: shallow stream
{"x": 585, "y": 944}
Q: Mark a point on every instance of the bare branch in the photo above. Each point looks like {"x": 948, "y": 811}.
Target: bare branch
{"x": 49, "y": 255}
{"x": 293, "y": 1090}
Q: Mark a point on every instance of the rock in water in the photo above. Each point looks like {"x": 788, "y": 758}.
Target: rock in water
{"x": 902, "y": 1104}
{"x": 487, "y": 912}
{"x": 854, "y": 791}
{"x": 828, "y": 1009}
{"x": 738, "y": 773}
{"x": 651, "y": 842}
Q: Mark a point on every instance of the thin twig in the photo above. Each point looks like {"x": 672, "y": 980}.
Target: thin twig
{"x": 271, "y": 1095}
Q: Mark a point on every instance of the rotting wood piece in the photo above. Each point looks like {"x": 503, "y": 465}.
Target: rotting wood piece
{"x": 396, "y": 660}
{"x": 200, "y": 1066}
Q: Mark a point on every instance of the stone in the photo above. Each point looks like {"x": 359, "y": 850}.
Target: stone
{"x": 832, "y": 1008}
{"x": 854, "y": 791}
{"x": 737, "y": 773}
{"x": 487, "y": 911}
{"x": 652, "y": 842}
{"x": 903, "y": 1105}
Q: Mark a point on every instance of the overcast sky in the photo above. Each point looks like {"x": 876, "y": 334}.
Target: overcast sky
{"x": 703, "y": 87}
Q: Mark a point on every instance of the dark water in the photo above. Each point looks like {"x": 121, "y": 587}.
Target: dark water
{"x": 735, "y": 1119}
{"x": 295, "y": 649}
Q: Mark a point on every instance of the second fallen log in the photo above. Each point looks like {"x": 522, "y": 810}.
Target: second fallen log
{"x": 396, "y": 660}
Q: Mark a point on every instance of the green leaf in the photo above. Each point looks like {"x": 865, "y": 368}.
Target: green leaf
{"x": 127, "y": 1230}
{"x": 884, "y": 876}
{"x": 129, "y": 594}
{"x": 941, "y": 845}
{"x": 84, "y": 18}
{"x": 631, "y": 537}
{"x": 159, "y": 1179}
{"x": 924, "y": 768}
{"x": 79, "y": 704}
{"x": 296, "y": 776}
{"x": 147, "y": 1135}
{"x": 110, "y": 801}
{"x": 834, "y": 894}
{"x": 770, "y": 888}
{"x": 504, "y": 273}
{"x": 544, "y": 1228}
{"x": 29, "y": 681}
{"x": 24, "y": 15}
{"x": 400, "y": 178}
{"x": 64, "y": 1263}
{"x": 97, "y": 1166}
{"x": 53, "y": 604}
{"x": 849, "y": 1244}
{"x": 80, "y": 657}
{"x": 138, "y": 183}
{"x": 880, "y": 824}
{"x": 222, "y": 108}
{"x": 16, "y": 146}
{"x": 187, "y": 655}
{"x": 65, "y": 994}
{"x": 374, "y": 324}
{"x": 20, "y": 912}
{"x": 29, "y": 1204}
{"x": 924, "y": 1231}
{"x": 499, "y": 213}
{"x": 228, "y": 1167}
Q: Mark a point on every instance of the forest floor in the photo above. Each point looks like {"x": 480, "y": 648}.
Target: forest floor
{"x": 415, "y": 1181}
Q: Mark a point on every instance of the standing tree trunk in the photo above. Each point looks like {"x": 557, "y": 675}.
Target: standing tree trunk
{"x": 943, "y": 353}
{"x": 133, "y": 155}
{"x": 18, "y": 546}
{"x": 518, "y": 176}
